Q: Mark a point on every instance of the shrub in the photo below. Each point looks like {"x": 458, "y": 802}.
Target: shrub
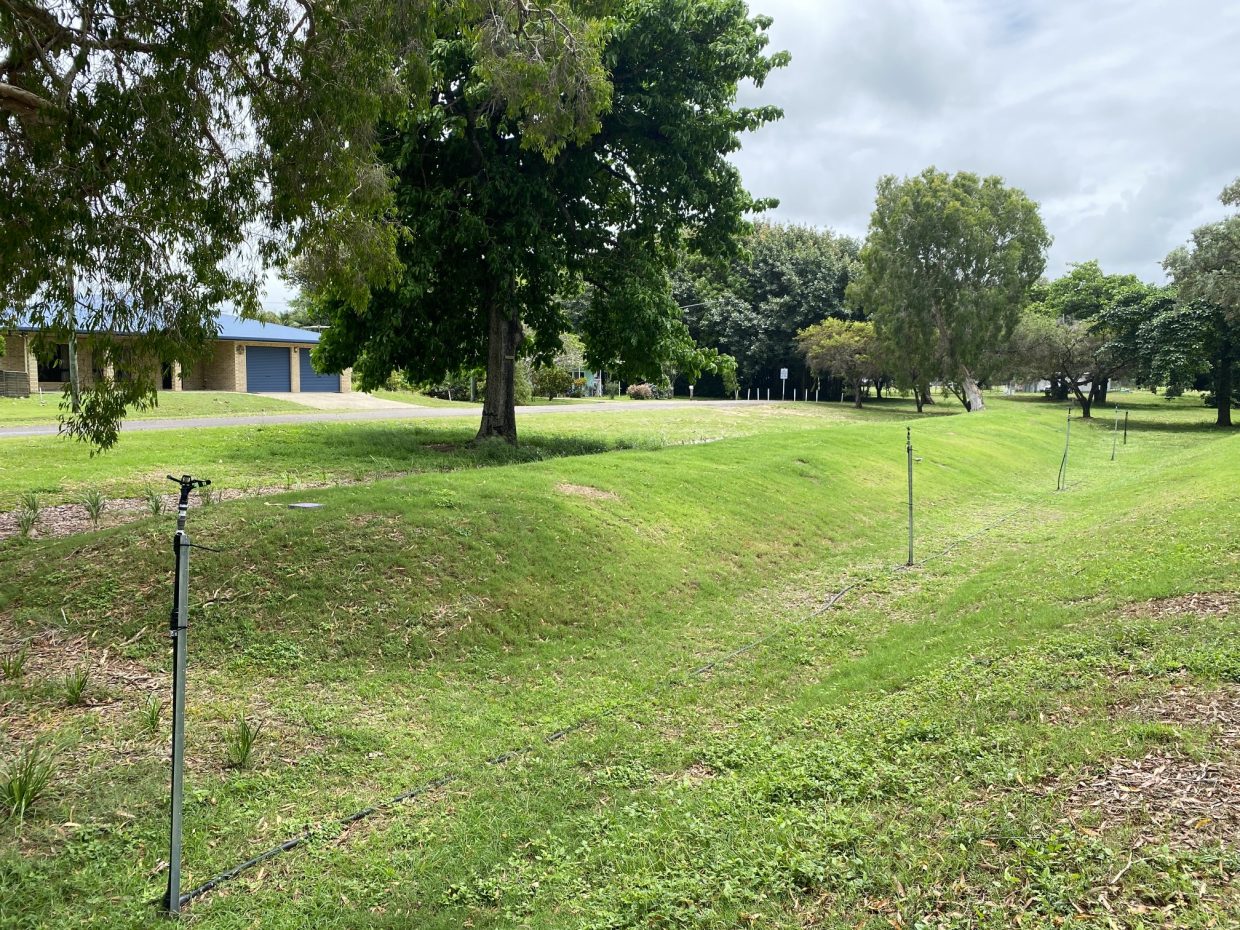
{"x": 551, "y": 381}
{"x": 26, "y": 778}
{"x": 26, "y": 519}
{"x": 241, "y": 740}
{"x": 641, "y": 391}
{"x": 523, "y": 382}
{"x": 93, "y": 502}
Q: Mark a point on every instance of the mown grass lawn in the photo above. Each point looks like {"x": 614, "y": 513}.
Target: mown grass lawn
{"x": 290, "y": 455}
{"x": 911, "y": 757}
{"x": 35, "y": 410}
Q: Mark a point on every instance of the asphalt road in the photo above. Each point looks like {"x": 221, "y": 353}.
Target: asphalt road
{"x": 386, "y": 413}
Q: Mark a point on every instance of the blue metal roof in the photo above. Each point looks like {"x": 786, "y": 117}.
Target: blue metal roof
{"x": 234, "y": 328}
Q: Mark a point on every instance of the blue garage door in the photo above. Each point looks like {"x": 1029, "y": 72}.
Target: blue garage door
{"x": 267, "y": 368}
{"x": 311, "y": 380}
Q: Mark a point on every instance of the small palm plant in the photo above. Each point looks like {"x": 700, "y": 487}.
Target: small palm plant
{"x": 93, "y": 502}
{"x": 74, "y": 684}
{"x": 13, "y": 664}
{"x": 241, "y": 740}
{"x": 26, "y": 778}
{"x": 30, "y": 501}
{"x": 26, "y": 520}
{"x": 150, "y": 713}
{"x": 154, "y": 500}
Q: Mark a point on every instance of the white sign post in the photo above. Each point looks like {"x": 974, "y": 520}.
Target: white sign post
{"x": 783, "y": 388}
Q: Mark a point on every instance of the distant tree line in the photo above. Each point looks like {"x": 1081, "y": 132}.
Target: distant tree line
{"x": 948, "y": 291}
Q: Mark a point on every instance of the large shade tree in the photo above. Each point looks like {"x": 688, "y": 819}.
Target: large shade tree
{"x": 946, "y": 267}
{"x": 157, "y": 157}
{"x": 1206, "y": 331}
{"x": 1084, "y": 329}
{"x": 787, "y": 278}
{"x": 495, "y": 230}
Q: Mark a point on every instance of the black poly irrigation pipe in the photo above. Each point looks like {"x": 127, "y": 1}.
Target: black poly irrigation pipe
{"x": 427, "y": 787}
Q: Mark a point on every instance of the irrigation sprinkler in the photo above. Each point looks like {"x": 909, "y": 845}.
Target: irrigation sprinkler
{"x": 177, "y": 631}
{"x": 909, "y": 446}
{"x": 1115, "y": 433}
{"x": 1063, "y": 464}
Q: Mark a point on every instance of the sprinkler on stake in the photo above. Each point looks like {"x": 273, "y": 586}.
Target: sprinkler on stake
{"x": 909, "y": 445}
{"x": 177, "y": 631}
{"x": 1063, "y": 464}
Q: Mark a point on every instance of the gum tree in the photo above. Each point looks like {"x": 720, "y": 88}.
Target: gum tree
{"x": 496, "y": 230}
{"x": 946, "y": 267}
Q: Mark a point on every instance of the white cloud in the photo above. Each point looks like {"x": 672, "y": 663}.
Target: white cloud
{"x": 1119, "y": 118}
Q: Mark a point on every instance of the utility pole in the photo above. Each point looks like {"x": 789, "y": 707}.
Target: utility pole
{"x": 177, "y": 631}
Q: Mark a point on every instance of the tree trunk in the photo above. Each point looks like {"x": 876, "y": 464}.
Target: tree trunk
{"x": 75, "y": 378}
{"x": 927, "y": 399}
{"x": 1100, "y": 395}
{"x": 857, "y": 391}
{"x": 1085, "y": 400}
{"x": 972, "y": 393}
{"x": 1222, "y": 381}
{"x": 504, "y": 337}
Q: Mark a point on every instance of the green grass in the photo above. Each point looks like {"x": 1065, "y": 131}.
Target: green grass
{"x": 288, "y": 455}
{"x": 893, "y": 760}
{"x": 35, "y": 410}
{"x": 418, "y": 399}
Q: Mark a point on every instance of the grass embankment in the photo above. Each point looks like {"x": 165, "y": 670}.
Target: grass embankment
{"x": 911, "y": 755}
{"x": 34, "y": 410}
{"x": 291, "y": 455}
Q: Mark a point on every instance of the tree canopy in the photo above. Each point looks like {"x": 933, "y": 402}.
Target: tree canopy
{"x": 847, "y": 349}
{"x": 496, "y": 232}
{"x": 1205, "y": 333}
{"x": 787, "y": 278}
{"x": 946, "y": 267}
{"x": 1084, "y": 329}
{"x": 158, "y": 157}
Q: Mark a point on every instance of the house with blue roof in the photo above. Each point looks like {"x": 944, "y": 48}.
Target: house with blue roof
{"x": 248, "y": 355}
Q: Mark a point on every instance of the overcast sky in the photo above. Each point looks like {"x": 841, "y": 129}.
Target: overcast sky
{"x": 1121, "y": 119}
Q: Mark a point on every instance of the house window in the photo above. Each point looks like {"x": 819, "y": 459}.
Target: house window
{"x": 54, "y": 366}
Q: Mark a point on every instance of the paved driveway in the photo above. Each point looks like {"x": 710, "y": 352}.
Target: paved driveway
{"x": 399, "y": 412}
{"x": 330, "y": 400}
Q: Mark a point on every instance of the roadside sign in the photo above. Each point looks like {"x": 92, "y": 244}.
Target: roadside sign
{"x": 783, "y": 374}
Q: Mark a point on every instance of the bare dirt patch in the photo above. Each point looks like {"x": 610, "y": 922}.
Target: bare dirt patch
{"x": 1170, "y": 798}
{"x": 1182, "y": 802}
{"x": 1217, "y": 710}
{"x": 1215, "y": 603}
{"x": 51, "y": 656}
{"x": 581, "y": 490}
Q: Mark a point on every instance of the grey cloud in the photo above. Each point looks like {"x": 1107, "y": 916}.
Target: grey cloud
{"x": 1118, "y": 117}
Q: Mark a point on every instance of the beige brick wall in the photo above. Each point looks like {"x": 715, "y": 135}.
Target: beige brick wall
{"x": 294, "y": 359}
{"x": 14, "y": 357}
{"x": 223, "y": 371}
